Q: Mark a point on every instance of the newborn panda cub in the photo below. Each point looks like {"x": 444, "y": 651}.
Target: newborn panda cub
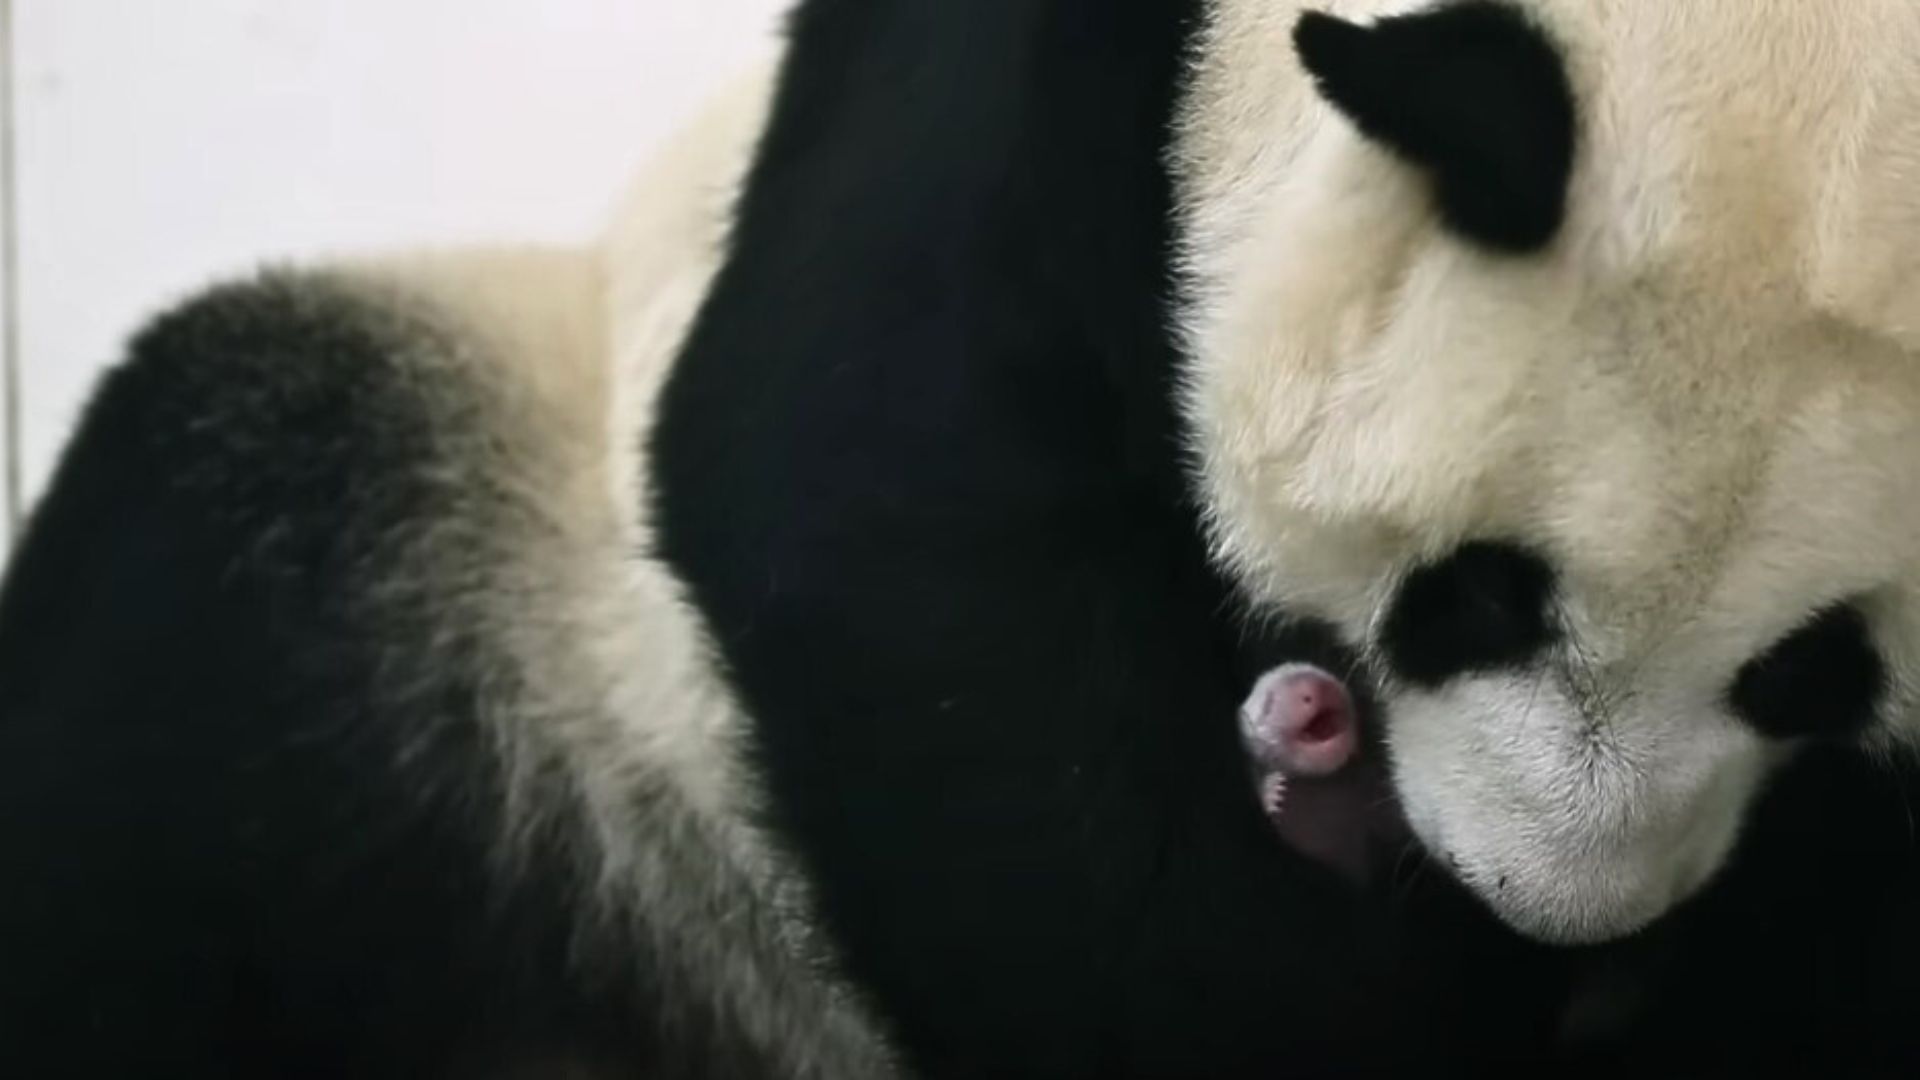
{"x": 1323, "y": 793}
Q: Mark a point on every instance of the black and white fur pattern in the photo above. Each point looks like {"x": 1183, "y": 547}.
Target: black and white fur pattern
{"x": 378, "y": 751}
{"x": 783, "y": 642}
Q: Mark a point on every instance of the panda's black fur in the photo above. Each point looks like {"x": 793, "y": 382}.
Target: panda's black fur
{"x": 919, "y": 469}
{"x": 215, "y": 862}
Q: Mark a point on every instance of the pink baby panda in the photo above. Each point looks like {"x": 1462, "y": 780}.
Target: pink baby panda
{"x": 1326, "y": 795}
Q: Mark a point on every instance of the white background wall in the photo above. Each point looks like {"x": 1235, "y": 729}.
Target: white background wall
{"x": 161, "y": 143}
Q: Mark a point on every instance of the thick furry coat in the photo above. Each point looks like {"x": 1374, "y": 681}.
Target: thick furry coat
{"x": 802, "y": 636}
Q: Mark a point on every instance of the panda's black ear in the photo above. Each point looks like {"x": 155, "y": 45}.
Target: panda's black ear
{"x": 1472, "y": 92}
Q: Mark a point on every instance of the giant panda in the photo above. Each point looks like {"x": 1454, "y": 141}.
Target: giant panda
{"x": 801, "y": 635}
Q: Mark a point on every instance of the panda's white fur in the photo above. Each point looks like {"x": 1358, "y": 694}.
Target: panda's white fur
{"x": 607, "y": 675}
{"x": 604, "y": 323}
{"x": 1701, "y": 403}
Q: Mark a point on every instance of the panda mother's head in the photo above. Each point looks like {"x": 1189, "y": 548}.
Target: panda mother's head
{"x": 1566, "y": 356}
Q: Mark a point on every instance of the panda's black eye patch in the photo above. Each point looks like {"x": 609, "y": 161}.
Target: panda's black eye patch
{"x": 1482, "y": 607}
{"x": 1824, "y": 678}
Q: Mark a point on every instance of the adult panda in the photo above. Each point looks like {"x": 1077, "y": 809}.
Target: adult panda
{"x": 349, "y": 724}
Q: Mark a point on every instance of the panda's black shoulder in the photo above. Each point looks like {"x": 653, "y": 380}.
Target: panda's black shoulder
{"x": 248, "y": 437}
{"x": 259, "y": 404}
{"x": 234, "y": 843}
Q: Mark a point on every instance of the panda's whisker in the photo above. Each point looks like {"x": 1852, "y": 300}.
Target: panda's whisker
{"x": 1533, "y": 702}
{"x": 1400, "y": 884}
{"x": 1583, "y": 676}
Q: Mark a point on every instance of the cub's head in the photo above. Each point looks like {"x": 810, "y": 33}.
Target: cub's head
{"x": 1565, "y": 355}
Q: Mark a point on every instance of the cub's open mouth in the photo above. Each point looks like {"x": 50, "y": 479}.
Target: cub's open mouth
{"x": 1320, "y": 771}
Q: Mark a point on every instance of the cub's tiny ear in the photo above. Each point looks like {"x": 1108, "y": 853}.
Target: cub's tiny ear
{"x": 1475, "y": 94}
